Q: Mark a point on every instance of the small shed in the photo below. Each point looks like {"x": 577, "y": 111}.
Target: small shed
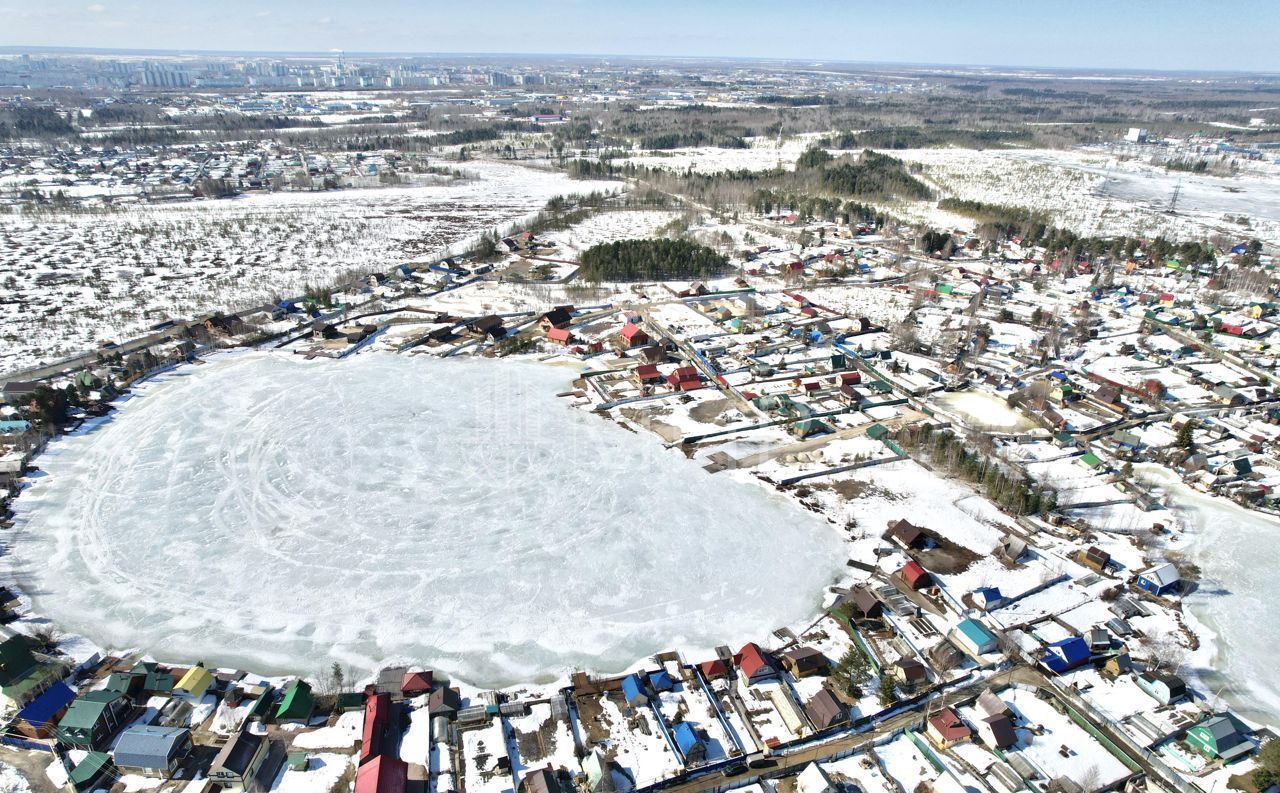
{"x": 915, "y": 576}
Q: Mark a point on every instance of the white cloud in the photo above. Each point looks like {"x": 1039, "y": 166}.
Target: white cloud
{"x": 263, "y": 14}
{"x": 96, "y": 8}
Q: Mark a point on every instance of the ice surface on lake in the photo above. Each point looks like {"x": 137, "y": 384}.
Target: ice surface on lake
{"x": 1238, "y": 554}
{"x": 267, "y": 511}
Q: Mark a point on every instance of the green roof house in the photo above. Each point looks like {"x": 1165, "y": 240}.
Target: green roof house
{"x": 90, "y": 770}
{"x": 1090, "y": 460}
{"x": 93, "y": 718}
{"x": 297, "y": 705}
{"x": 877, "y": 432}
{"x": 154, "y": 681}
{"x": 1220, "y": 737}
{"x": 23, "y": 677}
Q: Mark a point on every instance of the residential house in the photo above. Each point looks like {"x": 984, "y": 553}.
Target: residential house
{"x": 661, "y": 680}
{"x": 384, "y": 774}
{"x": 634, "y": 691}
{"x": 973, "y": 637}
{"x": 152, "y": 751}
{"x": 415, "y": 684}
{"x": 634, "y": 336}
{"x": 714, "y": 670}
{"x": 297, "y": 705}
{"x": 377, "y": 730}
{"x": 93, "y": 718}
{"x": 864, "y": 604}
{"x": 1066, "y": 654}
{"x": 559, "y": 317}
{"x": 908, "y": 535}
{"x": 647, "y": 374}
{"x": 692, "y": 748}
{"x": 909, "y": 672}
{"x": 39, "y": 719}
{"x": 754, "y": 664}
{"x": 238, "y": 761}
{"x": 1162, "y": 579}
{"x": 487, "y": 326}
{"x": 444, "y": 701}
{"x": 805, "y": 661}
{"x": 560, "y": 336}
{"x": 22, "y": 676}
{"x": 1220, "y": 737}
{"x": 1163, "y": 687}
{"x": 814, "y": 779}
{"x": 997, "y": 731}
{"x": 684, "y": 378}
{"x": 604, "y": 775}
{"x": 945, "y": 729}
{"x": 194, "y": 683}
{"x": 1095, "y": 558}
{"x": 986, "y": 598}
{"x": 824, "y": 710}
{"x": 93, "y": 771}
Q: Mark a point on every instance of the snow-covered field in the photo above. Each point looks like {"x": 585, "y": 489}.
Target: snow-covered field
{"x": 70, "y": 281}
{"x": 279, "y": 514}
{"x": 1092, "y": 192}
{"x": 983, "y": 411}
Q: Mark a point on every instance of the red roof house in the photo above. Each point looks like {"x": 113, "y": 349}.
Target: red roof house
{"x": 559, "y": 335}
{"x": 415, "y": 684}
{"x": 754, "y": 663}
{"x": 684, "y": 379}
{"x": 377, "y": 717}
{"x": 647, "y": 373}
{"x": 634, "y": 335}
{"x": 384, "y": 774}
{"x": 915, "y": 576}
{"x": 945, "y": 729}
{"x": 714, "y": 670}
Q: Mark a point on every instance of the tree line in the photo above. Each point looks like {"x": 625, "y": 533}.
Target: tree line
{"x": 1002, "y": 222}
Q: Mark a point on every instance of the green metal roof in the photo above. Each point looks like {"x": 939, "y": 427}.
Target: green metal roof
{"x": 297, "y": 703}
{"x": 88, "y": 768}
{"x": 87, "y": 709}
{"x": 1090, "y": 459}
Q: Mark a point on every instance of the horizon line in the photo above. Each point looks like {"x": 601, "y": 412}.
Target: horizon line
{"x": 19, "y": 49}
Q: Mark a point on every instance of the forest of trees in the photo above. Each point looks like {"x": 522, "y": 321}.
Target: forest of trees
{"x": 32, "y": 122}
{"x": 956, "y": 454}
{"x": 922, "y": 137}
{"x": 695, "y": 137}
{"x": 650, "y": 260}
{"x": 877, "y": 175}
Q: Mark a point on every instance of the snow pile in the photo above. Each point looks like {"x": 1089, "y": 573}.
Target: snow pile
{"x": 280, "y": 514}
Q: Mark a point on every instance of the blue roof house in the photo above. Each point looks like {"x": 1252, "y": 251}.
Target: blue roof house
{"x": 40, "y": 717}
{"x": 661, "y": 681}
{"x": 691, "y": 747}
{"x": 973, "y": 637}
{"x": 1065, "y": 655}
{"x": 988, "y": 598}
{"x": 634, "y": 691}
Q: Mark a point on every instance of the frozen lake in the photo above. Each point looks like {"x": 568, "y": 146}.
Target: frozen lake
{"x": 280, "y": 514}
{"x": 1238, "y": 553}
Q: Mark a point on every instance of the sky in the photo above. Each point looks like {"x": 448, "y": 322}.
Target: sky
{"x": 1099, "y": 34}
